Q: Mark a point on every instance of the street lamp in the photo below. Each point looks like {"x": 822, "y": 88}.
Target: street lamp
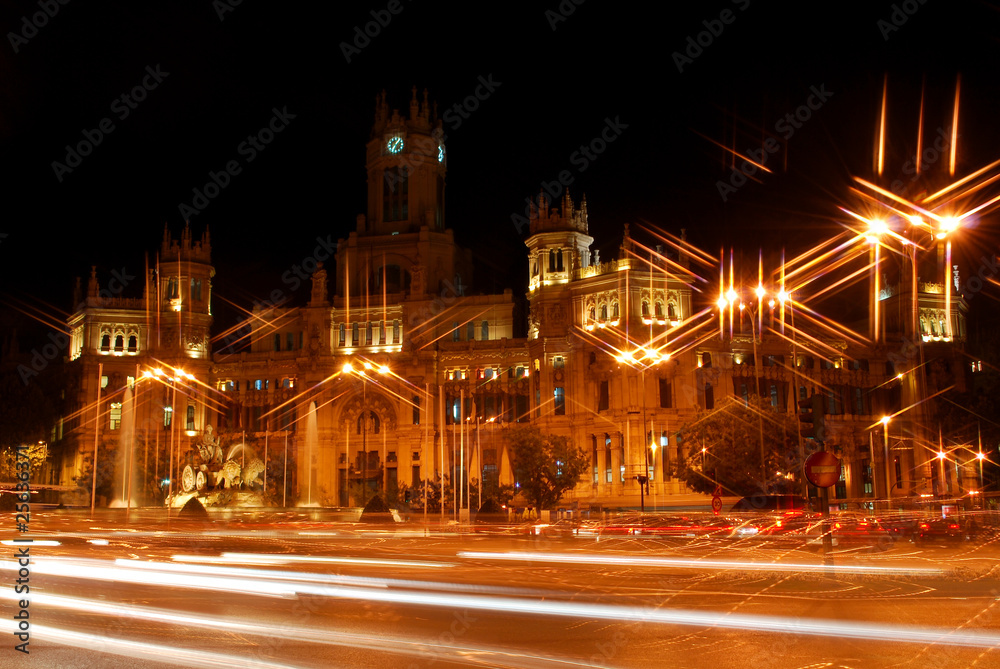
{"x": 756, "y": 375}
{"x": 941, "y": 455}
{"x": 980, "y": 456}
{"x": 885, "y": 431}
{"x": 368, "y": 420}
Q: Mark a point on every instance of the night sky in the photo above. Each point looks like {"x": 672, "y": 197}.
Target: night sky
{"x": 558, "y": 80}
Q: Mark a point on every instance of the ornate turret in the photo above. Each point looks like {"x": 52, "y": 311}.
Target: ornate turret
{"x": 406, "y": 169}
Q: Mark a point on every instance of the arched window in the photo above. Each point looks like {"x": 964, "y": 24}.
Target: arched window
{"x": 604, "y": 312}
{"x": 672, "y": 311}
{"x": 706, "y": 359}
{"x": 133, "y": 344}
{"x": 614, "y": 311}
{"x": 658, "y": 309}
{"x": 119, "y": 342}
{"x": 106, "y": 342}
{"x": 593, "y": 314}
{"x": 645, "y": 309}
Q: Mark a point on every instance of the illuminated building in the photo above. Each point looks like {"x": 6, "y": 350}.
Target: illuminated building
{"x": 405, "y": 364}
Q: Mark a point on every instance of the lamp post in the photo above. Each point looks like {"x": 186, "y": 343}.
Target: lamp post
{"x": 368, "y": 419}
{"x": 885, "y": 431}
{"x": 941, "y": 455}
{"x": 756, "y": 378}
{"x": 981, "y": 456}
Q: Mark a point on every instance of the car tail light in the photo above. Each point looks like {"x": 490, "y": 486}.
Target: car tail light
{"x": 924, "y": 526}
{"x": 953, "y": 526}
{"x": 778, "y": 523}
{"x": 836, "y": 526}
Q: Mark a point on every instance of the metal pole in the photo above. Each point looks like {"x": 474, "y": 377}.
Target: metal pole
{"x": 97, "y": 434}
{"x": 888, "y": 485}
{"x": 284, "y": 474}
{"x": 425, "y": 451}
{"x": 173, "y": 427}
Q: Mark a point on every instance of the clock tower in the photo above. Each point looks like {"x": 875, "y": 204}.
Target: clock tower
{"x": 406, "y": 163}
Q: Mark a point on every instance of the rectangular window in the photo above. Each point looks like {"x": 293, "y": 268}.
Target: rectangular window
{"x": 368, "y": 336}
{"x": 666, "y": 395}
{"x": 168, "y": 415}
{"x": 355, "y": 335}
{"x": 190, "y": 417}
{"x": 395, "y": 332}
{"x": 196, "y": 289}
{"x": 603, "y": 397}
{"x": 455, "y": 332}
{"x": 560, "y": 401}
{"x": 289, "y": 341}
{"x": 343, "y": 334}
{"x": 115, "y": 415}
{"x": 558, "y": 362}
{"x": 277, "y": 342}
{"x": 470, "y": 331}
{"x": 257, "y": 385}
{"x": 381, "y": 332}
{"x": 416, "y": 409}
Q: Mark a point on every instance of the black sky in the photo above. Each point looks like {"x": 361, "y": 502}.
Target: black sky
{"x": 607, "y": 60}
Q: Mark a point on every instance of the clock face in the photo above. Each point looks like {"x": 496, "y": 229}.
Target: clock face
{"x": 440, "y": 153}
{"x": 394, "y": 144}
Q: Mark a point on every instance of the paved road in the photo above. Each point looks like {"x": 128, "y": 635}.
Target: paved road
{"x": 292, "y": 592}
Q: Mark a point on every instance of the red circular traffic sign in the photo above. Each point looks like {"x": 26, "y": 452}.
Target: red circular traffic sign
{"x": 822, "y": 469}
{"x": 716, "y": 505}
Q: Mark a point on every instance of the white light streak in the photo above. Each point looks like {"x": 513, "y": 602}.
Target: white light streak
{"x": 696, "y": 564}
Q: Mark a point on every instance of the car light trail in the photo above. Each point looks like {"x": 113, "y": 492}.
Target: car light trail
{"x": 400, "y": 645}
{"x": 109, "y": 574}
{"x": 147, "y": 651}
{"x": 534, "y": 606}
{"x": 697, "y": 564}
{"x": 277, "y": 558}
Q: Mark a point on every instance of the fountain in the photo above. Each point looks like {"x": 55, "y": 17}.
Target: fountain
{"x": 124, "y": 485}
{"x": 312, "y": 443}
{"x": 219, "y": 479}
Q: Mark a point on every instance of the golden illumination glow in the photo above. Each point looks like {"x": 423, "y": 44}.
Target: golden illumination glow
{"x": 721, "y": 303}
{"x": 885, "y": 420}
{"x": 877, "y": 226}
{"x": 941, "y": 455}
{"x": 383, "y": 370}
{"x": 980, "y": 455}
{"x": 348, "y": 368}
{"x": 760, "y": 292}
{"x": 731, "y": 295}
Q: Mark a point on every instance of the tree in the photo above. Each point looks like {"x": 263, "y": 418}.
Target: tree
{"x": 545, "y": 465}
{"x": 37, "y": 454}
{"x": 731, "y": 437}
